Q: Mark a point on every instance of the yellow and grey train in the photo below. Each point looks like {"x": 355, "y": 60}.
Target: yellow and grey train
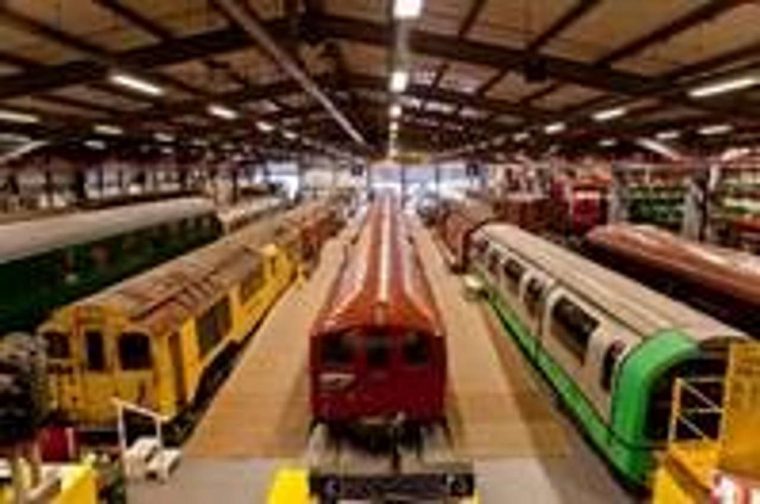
{"x": 160, "y": 339}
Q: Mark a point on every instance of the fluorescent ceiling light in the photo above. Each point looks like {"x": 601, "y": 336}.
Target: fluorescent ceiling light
{"x": 722, "y": 87}
{"x": 521, "y": 137}
{"x": 715, "y": 129}
{"x": 609, "y": 114}
{"x": 399, "y": 81}
{"x": 163, "y": 137}
{"x": 95, "y": 144}
{"x": 552, "y": 129}
{"x": 608, "y": 142}
{"x": 668, "y": 135}
{"x": 394, "y": 126}
{"x": 289, "y": 135}
{"x": 222, "y": 112}
{"x": 264, "y": 126}
{"x": 395, "y": 111}
{"x": 136, "y": 84}
{"x": 18, "y": 117}
{"x": 407, "y": 9}
{"x": 198, "y": 142}
{"x": 107, "y": 129}
{"x": 14, "y": 137}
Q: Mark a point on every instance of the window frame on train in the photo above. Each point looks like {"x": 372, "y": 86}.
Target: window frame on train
{"x": 408, "y": 349}
{"x": 134, "y": 358}
{"x": 57, "y": 345}
{"x": 574, "y": 337}
{"x": 376, "y": 343}
{"x": 89, "y": 337}
{"x": 337, "y": 340}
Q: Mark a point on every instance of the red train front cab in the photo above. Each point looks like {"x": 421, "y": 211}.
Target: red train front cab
{"x": 377, "y": 348}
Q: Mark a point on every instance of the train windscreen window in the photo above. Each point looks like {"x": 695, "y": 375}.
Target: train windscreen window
{"x": 213, "y": 325}
{"x": 416, "y": 349}
{"x": 336, "y": 350}
{"x": 533, "y": 293}
{"x": 134, "y": 351}
{"x": 377, "y": 351}
{"x": 573, "y": 327}
{"x": 611, "y": 356}
{"x": 513, "y": 272}
{"x": 57, "y": 345}
{"x": 95, "y": 350}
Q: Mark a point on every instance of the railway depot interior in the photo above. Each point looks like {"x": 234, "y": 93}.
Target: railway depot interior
{"x": 301, "y": 251}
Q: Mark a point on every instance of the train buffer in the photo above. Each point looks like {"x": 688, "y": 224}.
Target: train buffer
{"x": 336, "y": 472}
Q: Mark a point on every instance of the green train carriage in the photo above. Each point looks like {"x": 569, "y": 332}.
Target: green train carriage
{"x": 609, "y": 347}
{"x": 48, "y": 262}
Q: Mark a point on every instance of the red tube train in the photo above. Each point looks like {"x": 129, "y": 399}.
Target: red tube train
{"x": 377, "y": 350}
{"x": 722, "y": 282}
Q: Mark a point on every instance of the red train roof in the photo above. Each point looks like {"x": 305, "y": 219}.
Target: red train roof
{"x": 382, "y": 282}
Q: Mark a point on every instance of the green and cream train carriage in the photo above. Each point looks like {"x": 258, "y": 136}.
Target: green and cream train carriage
{"x": 160, "y": 339}
{"x": 609, "y": 346}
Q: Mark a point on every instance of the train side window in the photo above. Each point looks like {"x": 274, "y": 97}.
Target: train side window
{"x": 336, "y": 350}
{"x": 377, "y": 351}
{"x": 415, "y": 349}
{"x": 611, "y": 356}
{"x": 57, "y": 345}
{"x": 95, "y": 350}
{"x": 573, "y": 327}
{"x": 213, "y": 325}
{"x": 252, "y": 282}
{"x": 533, "y": 292}
{"x": 513, "y": 272}
{"x": 134, "y": 351}
{"x": 493, "y": 262}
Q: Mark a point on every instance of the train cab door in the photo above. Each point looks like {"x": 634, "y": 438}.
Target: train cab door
{"x": 64, "y": 375}
{"x": 377, "y": 385}
{"x": 178, "y": 370}
{"x": 135, "y": 356}
{"x": 96, "y": 370}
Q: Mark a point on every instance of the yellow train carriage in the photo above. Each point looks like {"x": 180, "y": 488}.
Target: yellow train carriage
{"x": 153, "y": 339}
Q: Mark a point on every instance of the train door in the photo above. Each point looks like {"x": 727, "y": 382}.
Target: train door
{"x": 534, "y": 289}
{"x": 569, "y": 327}
{"x": 65, "y": 377}
{"x": 378, "y": 386}
{"x": 178, "y": 369}
{"x": 97, "y": 373}
{"x": 135, "y": 381}
{"x": 419, "y": 385}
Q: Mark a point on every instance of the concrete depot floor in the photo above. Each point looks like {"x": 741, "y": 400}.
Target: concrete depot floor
{"x": 536, "y": 456}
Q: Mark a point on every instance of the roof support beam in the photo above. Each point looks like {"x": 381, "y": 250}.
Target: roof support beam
{"x": 246, "y": 19}
{"x": 562, "y": 23}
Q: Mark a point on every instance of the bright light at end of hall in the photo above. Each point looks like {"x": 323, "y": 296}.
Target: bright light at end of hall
{"x": 222, "y": 112}
{"x": 395, "y": 111}
{"x": 407, "y": 9}
{"x": 394, "y": 126}
{"x": 135, "y": 84}
{"x": 399, "y": 81}
{"x": 722, "y": 87}
{"x": 609, "y": 114}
